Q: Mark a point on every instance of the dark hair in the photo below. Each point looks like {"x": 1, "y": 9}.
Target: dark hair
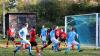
{"x": 73, "y": 28}
{"x": 33, "y": 27}
{"x": 53, "y": 27}
{"x": 25, "y": 24}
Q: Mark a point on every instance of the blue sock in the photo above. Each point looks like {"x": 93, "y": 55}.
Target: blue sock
{"x": 68, "y": 49}
{"x": 29, "y": 48}
{"x": 17, "y": 48}
{"x": 55, "y": 46}
{"x": 78, "y": 47}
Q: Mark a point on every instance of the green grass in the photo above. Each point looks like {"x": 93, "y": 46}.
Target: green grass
{"x": 48, "y": 51}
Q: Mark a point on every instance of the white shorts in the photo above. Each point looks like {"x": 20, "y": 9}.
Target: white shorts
{"x": 54, "y": 40}
{"x": 72, "y": 43}
{"x": 25, "y": 42}
{"x": 43, "y": 38}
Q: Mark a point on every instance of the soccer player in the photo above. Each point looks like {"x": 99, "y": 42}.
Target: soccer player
{"x": 57, "y": 35}
{"x": 71, "y": 40}
{"x": 22, "y": 34}
{"x": 33, "y": 40}
{"x": 63, "y": 37}
{"x": 43, "y": 35}
{"x": 49, "y": 40}
{"x": 53, "y": 39}
{"x": 57, "y": 32}
{"x": 11, "y": 35}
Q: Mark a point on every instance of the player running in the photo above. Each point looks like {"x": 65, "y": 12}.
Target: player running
{"x": 33, "y": 40}
{"x": 63, "y": 37}
{"x": 11, "y": 35}
{"x": 53, "y": 39}
{"x": 22, "y": 34}
{"x": 49, "y": 40}
{"x": 71, "y": 40}
{"x": 43, "y": 35}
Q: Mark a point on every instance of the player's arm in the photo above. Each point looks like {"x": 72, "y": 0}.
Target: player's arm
{"x": 41, "y": 34}
{"x": 77, "y": 35}
{"x": 19, "y": 33}
{"x": 7, "y": 32}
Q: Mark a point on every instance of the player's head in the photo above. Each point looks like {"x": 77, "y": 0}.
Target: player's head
{"x": 62, "y": 30}
{"x": 56, "y": 27}
{"x": 11, "y": 25}
{"x": 26, "y": 25}
{"x": 53, "y": 27}
{"x": 33, "y": 27}
{"x": 72, "y": 28}
{"x": 43, "y": 26}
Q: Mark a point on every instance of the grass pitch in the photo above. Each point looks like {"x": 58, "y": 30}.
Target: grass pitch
{"x": 47, "y": 51}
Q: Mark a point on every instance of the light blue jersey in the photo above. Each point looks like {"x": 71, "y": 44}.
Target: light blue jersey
{"x": 43, "y": 33}
{"x": 23, "y": 33}
{"x": 71, "y": 36}
{"x": 52, "y": 34}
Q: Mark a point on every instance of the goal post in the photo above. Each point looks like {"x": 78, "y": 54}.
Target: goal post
{"x": 87, "y": 26}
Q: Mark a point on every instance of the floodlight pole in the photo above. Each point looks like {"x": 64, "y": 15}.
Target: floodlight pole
{"x": 3, "y": 8}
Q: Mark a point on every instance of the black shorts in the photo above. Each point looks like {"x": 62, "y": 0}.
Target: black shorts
{"x": 33, "y": 44}
{"x": 11, "y": 39}
{"x": 62, "y": 40}
{"x": 49, "y": 41}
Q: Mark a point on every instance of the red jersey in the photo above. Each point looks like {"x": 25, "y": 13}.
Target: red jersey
{"x": 63, "y": 35}
{"x": 33, "y": 35}
{"x": 11, "y": 32}
{"x": 58, "y": 32}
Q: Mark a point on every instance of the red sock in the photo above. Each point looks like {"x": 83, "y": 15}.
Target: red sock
{"x": 14, "y": 42}
{"x": 73, "y": 47}
{"x": 59, "y": 45}
{"x": 37, "y": 49}
{"x": 7, "y": 44}
{"x": 45, "y": 46}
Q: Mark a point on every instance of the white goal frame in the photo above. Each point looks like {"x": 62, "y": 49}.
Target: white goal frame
{"x": 97, "y": 27}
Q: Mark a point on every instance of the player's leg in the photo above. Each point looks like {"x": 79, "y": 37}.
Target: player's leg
{"x": 49, "y": 42}
{"x": 43, "y": 40}
{"x": 69, "y": 47}
{"x": 29, "y": 47}
{"x": 34, "y": 44}
{"x": 44, "y": 43}
{"x": 7, "y": 43}
{"x": 73, "y": 48}
{"x": 17, "y": 49}
{"x": 78, "y": 45}
{"x": 56, "y": 44}
{"x": 13, "y": 42}
{"x": 38, "y": 51}
{"x": 60, "y": 42}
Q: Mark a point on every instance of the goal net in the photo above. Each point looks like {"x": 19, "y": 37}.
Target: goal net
{"x": 87, "y": 26}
